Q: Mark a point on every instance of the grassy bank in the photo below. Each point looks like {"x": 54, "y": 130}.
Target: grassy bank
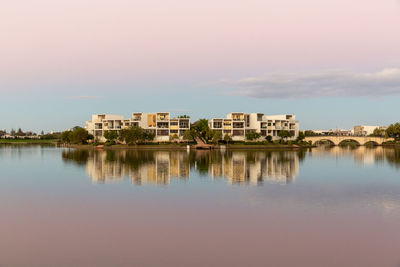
{"x": 28, "y": 141}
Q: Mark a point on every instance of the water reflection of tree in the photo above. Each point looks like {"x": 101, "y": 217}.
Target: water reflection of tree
{"x": 202, "y": 160}
{"x": 110, "y": 156}
{"x": 302, "y": 154}
{"x": 78, "y": 156}
{"x": 133, "y": 159}
{"x": 393, "y": 157}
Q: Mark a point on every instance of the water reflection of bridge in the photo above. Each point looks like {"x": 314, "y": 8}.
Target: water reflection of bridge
{"x": 363, "y": 155}
{"x": 160, "y": 167}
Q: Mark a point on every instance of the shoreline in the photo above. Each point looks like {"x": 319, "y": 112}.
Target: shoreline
{"x": 28, "y": 142}
{"x": 167, "y": 146}
{"x": 184, "y": 147}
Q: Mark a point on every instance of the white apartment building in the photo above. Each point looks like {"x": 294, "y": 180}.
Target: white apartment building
{"x": 160, "y": 123}
{"x": 104, "y": 122}
{"x": 365, "y": 130}
{"x": 237, "y": 124}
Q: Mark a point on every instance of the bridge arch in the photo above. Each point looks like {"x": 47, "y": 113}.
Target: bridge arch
{"x": 324, "y": 140}
{"x": 336, "y": 140}
{"x": 348, "y": 140}
{"x": 372, "y": 143}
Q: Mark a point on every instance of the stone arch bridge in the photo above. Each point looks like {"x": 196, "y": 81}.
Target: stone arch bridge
{"x": 336, "y": 140}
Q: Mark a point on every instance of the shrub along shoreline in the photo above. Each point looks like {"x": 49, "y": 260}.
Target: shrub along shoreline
{"x": 184, "y": 146}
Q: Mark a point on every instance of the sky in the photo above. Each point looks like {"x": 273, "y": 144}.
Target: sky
{"x": 332, "y": 63}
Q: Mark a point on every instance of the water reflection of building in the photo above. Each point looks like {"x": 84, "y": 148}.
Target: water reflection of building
{"x": 256, "y": 167}
{"x": 160, "y": 167}
{"x": 156, "y": 169}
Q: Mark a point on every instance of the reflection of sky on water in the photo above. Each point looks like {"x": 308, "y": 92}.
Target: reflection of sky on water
{"x": 314, "y": 208}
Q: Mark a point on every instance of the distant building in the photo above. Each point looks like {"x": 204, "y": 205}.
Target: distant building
{"x": 365, "y": 130}
{"x": 238, "y": 124}
{"x": 321, "y": 132}
{"x": 336, "y": 132}
{"x": 341, "y": 132}
{"x": 7, "y": 136}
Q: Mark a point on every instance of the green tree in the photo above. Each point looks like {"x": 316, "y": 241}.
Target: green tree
{"x": 66, "y": 137}
{"x": 217, "y": 136}
{"x": 149, "y": 136}
{"x": 189, "y": 135}
{"x": 132, "y": 135}
{"x": 202, "y": 128}
{"x": 301, "y": 136}
{"x": 252, "y": 136}
{"x": 309, "y": 133}
{"x": 283, "y": 134}
{"x": 268, "y": 138}
{"x": 227, "y": 138}
{"x": 111, "y": 136}
{"x": 20, "y": 132}
{"x": 12, "y": 132}
{"x": 173, "y": 137}
{"x": 393, "y": 130}
{"x": 52, "y": 136}
{"x": 209, "y": 134}
{"x": 378, "y": 132}
{"x": 79, "y": 136}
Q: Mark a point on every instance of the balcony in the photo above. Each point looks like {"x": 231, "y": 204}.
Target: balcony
{"x": 238, "y": 125}
{"x": 162, "y": 132}
{"x": 238, "y": 117}
{"x": 163, "y": 125}
{"x": 162, "y": 117}
{"x": 217, "y": 125}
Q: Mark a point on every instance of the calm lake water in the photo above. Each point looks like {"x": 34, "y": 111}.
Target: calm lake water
{"x": 320, "y": 207}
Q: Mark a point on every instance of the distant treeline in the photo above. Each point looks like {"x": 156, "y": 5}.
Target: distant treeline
{"x": 20, "y": 134}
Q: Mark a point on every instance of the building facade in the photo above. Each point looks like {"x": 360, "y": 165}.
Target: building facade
{"x": 365, "y": 130}
{"x": 160, "y": 123}
{"x": 238, "y": 124}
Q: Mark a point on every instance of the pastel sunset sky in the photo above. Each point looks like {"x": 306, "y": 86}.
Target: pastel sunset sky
{"x": 333, "y": 63}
